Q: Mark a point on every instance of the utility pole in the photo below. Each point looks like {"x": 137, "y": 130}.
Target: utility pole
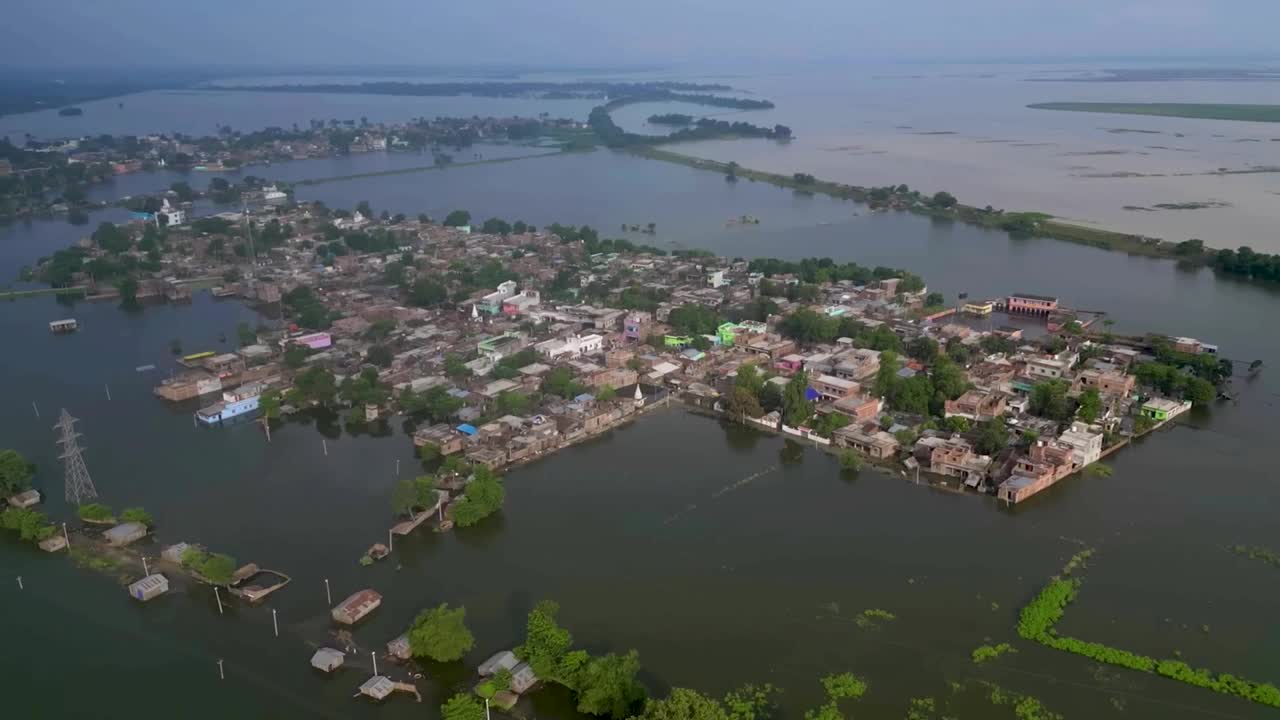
{"x": 145, "y": 571}
{"x": 275, "y": 624}
{"x": 37, "y": 409}
{"x": 65, "y": 536}
{"x": 218, "y": 595}
{"x": 20, "y": 583}
{"x": 391, "y": 542}
{"x": 374, "y": 654}
{"x": 327, "y": 596}
{"x": 221, "y": 674}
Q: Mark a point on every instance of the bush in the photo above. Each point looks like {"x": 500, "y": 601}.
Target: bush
{"x": 95, "y": 511}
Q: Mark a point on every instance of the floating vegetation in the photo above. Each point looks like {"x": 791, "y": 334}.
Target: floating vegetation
{"x": 1025, "y": 707}
{"x": 1261, "y": 554}
{"x": 1038, "y": 619}
{"x": 983, "y": 653}
{"x": 1099, "y": 470}
{"x": 871, "y": 619}
{"x": 1077, "y": 561}
{"x": 921, "y": 709}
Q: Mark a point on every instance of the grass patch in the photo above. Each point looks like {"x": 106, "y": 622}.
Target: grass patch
{"x": 984, "y": 653}
{"x": 1200, "y": 111}
{"x": 1039, "y": 618}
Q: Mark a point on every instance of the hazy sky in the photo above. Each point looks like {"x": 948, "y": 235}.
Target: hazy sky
{"x": 549, "y": 32}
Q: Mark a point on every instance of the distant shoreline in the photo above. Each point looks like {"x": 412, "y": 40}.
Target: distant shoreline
{"x": 1197, "y": 111}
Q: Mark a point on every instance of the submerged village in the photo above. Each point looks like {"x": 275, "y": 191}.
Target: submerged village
{"x": 501, "y": 343}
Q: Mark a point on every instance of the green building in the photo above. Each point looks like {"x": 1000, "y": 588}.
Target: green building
{"x": 727, "y": 333}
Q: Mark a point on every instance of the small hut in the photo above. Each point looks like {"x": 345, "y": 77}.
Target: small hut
{"x": 328, "y": 659}
{"x": 53, "y": 543}
{"x": 399, "y": 648}
{"x": 151, "y": 586}
{"x": 173, "y": 553}
{"x": 378, "y": 687}
{"x": 522, "y": 678}
{"x": 125, "y": 533}
{"x": 505, "y": 660}
{"x": 27, "y": 499}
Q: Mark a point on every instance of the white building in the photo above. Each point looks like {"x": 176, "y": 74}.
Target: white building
{"x": 170, "y": 216}
{"x": 572, "y": 346}
{"x": 1047, "y": 368}
{"x": 1086, "y": 443}
{"x": 715, "y": 279}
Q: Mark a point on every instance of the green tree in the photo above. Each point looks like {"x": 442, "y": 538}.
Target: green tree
{"x": 992, "y": 438}
{"x": 887, "y": 375}
{"x": 948, "y": 379}
{"x": 1049, "y": 399}
{"x": 545, "y": 642}
{"x": 15, "y": 473}
{"x": 379, "y": 355}
{"x": 1199, "y": 391}
{"x": 111, "y": 238}
{"x": 246, "y": 334}
{"x": 944, "y": 200}
{"x": 1090, "y": 405}
{"x": 844, "y": 686}
{"x": 441, "y": 634}
{"x": 751, "y": 702}
{"x": 749, "y": 379}
{"x": 482, "y": 497}
{"x": 269, "y": 404}
{"x": 796, "y": 406}
{"x": 850, "y": 460}
{"x": 128, "y": 289}
{"x": 455, "y": 366}
{"x": 462, "y": 706}
{"x": 314, "y": 386}
{"x": 924, "y": 349}
{"x": 428, "y": 292}
{"x": 606, "y": 393}
{"x": 683, "y": 704}
{"x": 513, "y": 403}
{"x": 744, "y": 404}
{"x": 295, "y": 356}
{"x": 560, "y": 382}
{"x": 138, "y": 515}
{"x": 608, "y": 685}
{"x": 95, "y": 511}
{"x": 457, "y": 218}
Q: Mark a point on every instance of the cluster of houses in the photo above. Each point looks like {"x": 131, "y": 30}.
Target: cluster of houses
{"x": 621, "y": 354}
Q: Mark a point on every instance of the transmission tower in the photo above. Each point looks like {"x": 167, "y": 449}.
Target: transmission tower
{"x": 78, "y": 483}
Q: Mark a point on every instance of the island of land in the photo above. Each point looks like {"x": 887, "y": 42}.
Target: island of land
{"x": 1202, "y": 111}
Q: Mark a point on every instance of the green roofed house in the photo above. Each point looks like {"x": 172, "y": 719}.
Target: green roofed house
{"x": 1160, "y": 409}
{"x": 677, "y": 341}
{"x": 727, "y": 332}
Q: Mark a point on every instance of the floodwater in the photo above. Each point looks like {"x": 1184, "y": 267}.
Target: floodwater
{"x": 966, "y": 129}
{"x": 648, "y": 537}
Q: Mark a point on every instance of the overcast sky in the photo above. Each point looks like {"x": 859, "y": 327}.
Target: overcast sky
{"x": 615, "y": 32}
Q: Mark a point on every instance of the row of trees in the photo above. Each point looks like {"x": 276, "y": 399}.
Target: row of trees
{"x": 823, "y": 270}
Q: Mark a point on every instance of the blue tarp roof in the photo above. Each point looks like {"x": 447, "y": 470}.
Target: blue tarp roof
{"x": 584, "y": 397}
{"x": 811, "y": 394}
{"x": 467, "y": 429}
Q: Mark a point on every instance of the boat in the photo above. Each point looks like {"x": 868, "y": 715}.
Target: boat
{"x": 234, "y": 403}
{"x": 64, "y": 326}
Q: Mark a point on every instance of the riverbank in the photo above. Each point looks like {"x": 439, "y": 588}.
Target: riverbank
{"x": 1043, "y": 224}
{"x": 425, "y": 168}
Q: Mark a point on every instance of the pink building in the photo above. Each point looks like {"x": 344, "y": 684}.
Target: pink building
{"x": 1031, "y": 304}
{"x": 314, "y": 341}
